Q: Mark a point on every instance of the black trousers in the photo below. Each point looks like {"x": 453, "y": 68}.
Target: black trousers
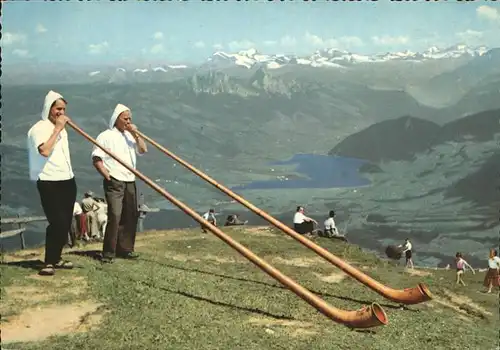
{"x": 121, "y": 229}
{"x": 58, "y": 199}
{"x": 303, "y": 228}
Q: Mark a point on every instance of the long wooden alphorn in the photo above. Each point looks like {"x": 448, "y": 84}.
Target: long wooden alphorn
{"x": 407, "y": 296}
{"x": 367, "y": 317}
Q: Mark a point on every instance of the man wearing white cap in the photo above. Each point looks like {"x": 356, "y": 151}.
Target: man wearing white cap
{"x": 122, "y": 139}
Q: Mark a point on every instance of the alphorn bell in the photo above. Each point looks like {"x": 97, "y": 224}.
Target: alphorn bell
{"x": 366, "y": 317}
{"x": 407, "y": 296}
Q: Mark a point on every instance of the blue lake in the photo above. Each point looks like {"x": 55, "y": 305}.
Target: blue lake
{"x": 322, "y": 171}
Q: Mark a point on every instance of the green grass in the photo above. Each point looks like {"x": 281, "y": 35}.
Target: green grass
{"x": 192, "y": 291}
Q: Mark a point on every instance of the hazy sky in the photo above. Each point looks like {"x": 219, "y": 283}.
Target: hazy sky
{"x": 173, "y": 32}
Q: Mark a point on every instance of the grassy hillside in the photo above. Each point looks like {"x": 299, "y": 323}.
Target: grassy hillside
{"x": 191, "y": 291}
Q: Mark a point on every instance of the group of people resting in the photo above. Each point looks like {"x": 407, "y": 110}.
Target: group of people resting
{"x": 231, "y": 220}
{"x": 51, "y": 168}
{"x": 305, "y": 225}
{"x": 302, "y": 224}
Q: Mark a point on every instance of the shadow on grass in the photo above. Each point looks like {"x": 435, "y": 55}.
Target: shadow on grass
{"x": 93, "y": 254}
{"x": 363, "y": 302}
{"x": 35, "y": 264}
{"x": 214, "y": 302}
{"x": 366, "y": 331}
{"x": 96, "y": 254}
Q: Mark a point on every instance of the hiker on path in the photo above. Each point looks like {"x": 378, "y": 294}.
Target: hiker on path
{"x": 407, "y": 250}
{"x": 210, "y": 217}
{"x": 461, "y": 264}
{"x": 492, "y": 278}
{"x": 120, "y": 190}
{"x": 330, "y": 228}
{"x": 50, "y": 166}
{"x": 303, "y": 224}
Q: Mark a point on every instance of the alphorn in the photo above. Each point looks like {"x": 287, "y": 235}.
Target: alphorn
{"x": 407, "y": 296}
{"x": 366, "y": 317}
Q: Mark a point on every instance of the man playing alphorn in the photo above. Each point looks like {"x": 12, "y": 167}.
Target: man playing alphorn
{"x": 50, "y": 166}
{"x": 120, "y": 191}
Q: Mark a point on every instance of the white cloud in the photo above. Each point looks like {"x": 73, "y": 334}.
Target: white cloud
{"x": 199, "y": 44}
{"x": 488, "y": 13}
{"x": 351, "y": 41}
{"x": 431, "y": 39}
{"x": 470, "y": 35}
{"x": 240, "y": 45}
{"x": 20, "y": 52}
{"x": 9, "y": 38}
{"x": 270, "y": 43}
{"x": 342, "y": 42}
{"x": 218, "y": 46}
{"x": 96, "y": 49}
{"x": 319, "y": 42}
{"x": 40, "y": 28}
{"x": 158, "y": 35}
{"x": 390, "y": 40}
{"x": 158, "y": 48}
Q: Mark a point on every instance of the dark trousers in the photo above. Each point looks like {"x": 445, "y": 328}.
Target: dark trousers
{"x": 303, "y": 228}
{"x": 73, "y": 233}
{"x": 121, "y": 229}
{"x": 58, "y": 199}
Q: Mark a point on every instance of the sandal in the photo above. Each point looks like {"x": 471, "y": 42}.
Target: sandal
{"x": 47, "y": 270}
{"x": 107, "y": 260}
{"x": 63, "y": 264}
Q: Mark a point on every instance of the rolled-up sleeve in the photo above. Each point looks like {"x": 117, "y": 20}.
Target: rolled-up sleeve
{"x": 136, "y": 147}
{"x": 97, "y": 151}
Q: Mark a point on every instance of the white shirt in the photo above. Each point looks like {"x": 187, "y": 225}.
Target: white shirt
{"x": 330, "y": 224}
{"x": 103, "y": 208}
{"x": 55, "y": 167}
{"x": 209, "y": 215}
{"x": 494, "y": 263}
{"x": 407, "y": 246}
{"x": 124, "y": 146}
{"x": 298, "y": 218}
{"x": 102, "y": 212}
{"x": 77, "y": 209}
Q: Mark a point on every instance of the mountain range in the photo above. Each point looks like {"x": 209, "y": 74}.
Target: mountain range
{"x": 330, "y": 57}
{"x": 434, "y": 78}
{"x": 253, "y": 59}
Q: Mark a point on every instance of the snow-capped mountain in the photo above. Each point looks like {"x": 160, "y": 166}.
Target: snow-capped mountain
{"x": 120, "y": 71}
{"x": 338, "y": 58}
{"x": 328, "y": 58}
{"x": 245, "y": 62}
